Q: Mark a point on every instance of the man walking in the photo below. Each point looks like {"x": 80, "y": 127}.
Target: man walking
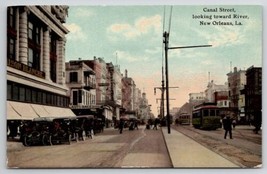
{"x": 121, "y": 125}
{"x": 227, "y": 124}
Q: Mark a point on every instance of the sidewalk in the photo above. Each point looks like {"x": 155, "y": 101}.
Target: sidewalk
{"x": 187, "y": 153}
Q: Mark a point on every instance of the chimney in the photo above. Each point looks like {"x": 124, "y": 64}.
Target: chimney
{"x": 126, "y": 73}
{"x": 235, "y": 69}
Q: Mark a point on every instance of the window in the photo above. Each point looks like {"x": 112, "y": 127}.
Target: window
{"x": 73, "y": 77}
{"x": 205, "y": 112}
{"x": 15, "y": 92}
{"x": 53, "y": 57}
{"x": 30, "y": 57}
{"x": 30, "y": 30}
{"x": 80, "y": 96}
{"x": 39, "y": 97}
{"x": 11, "y": 33}
{"x": 53, "y": 70}
{"x": 21, "y": 94}
{"x": 11, "y": 47}
{"x": 34, "y": 96}
{"x": 28, "y": 95}
{"x": 9, "y": 91}
{"x": 34, "y": 47}
{"x": 11, "y": 18}
{"x": 74, "y": 95}
{"x": 44, "y": 98}
{"x": 212, "y": 112}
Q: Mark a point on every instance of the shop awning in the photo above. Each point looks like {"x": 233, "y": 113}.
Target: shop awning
{"x": 40, "y": 110}
{"x": 58, "y": 112}
{"x": 27, "y": 111}
{"x": 11, "y": 113}
{"x": 24, "y": 110}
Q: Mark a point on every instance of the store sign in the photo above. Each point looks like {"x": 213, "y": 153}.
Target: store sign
{"x": 25, "y": 68}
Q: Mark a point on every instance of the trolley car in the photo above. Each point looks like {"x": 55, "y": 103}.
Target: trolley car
{"x": 207, "y": 116}
{"x": 183, "y": 119}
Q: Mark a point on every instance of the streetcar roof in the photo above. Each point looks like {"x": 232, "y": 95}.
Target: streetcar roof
{"x": 206, "y": 107}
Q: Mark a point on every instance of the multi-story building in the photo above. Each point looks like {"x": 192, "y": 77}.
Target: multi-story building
{"x": 138, "y": 97}
{"x": 197, "y": 98}
{"x": 144, "y": 108}
{"x": 94, "y": 73}
{"x": 114, "y": 89}
{"x": 128, "y": 95}
{"x": 211, "y": 89}
{"x": 253, "y": 95}
{"x": 36, "y": 62}
{"x": 221, "y": 98}
{"x": 236, "y": 82}
{"x": 81, "y": 81}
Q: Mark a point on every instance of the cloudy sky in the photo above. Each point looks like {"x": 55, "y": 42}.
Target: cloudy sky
{"x": 131, "y": 36}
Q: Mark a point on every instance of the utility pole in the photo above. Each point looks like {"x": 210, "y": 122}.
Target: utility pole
{"x": 166, "y": 42}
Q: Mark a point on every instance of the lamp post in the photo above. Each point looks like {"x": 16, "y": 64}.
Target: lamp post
{"x": 166, "y": 42}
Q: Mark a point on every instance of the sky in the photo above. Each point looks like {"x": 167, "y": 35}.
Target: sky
{"x": 131, "y": 37}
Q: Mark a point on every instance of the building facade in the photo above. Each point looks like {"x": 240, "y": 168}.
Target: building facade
{"x": 197, "y": 98}
{"x": 128, "y": 95}
{"x": 81, "y": 81}
{"x": 236, "y": 83}
{"x": 36, "y": 62}
{"x": 212, "y": 88}
{"x": 253, "y": 96}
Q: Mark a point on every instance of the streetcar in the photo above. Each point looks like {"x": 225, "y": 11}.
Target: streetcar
{"x": 183, "y": 119}
{"x": 207, "y": 116}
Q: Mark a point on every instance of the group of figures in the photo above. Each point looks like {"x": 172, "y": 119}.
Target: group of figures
{"x": 132, "y": 124}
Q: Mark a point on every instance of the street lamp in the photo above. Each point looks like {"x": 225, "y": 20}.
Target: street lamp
{"x": 166, "y": 42}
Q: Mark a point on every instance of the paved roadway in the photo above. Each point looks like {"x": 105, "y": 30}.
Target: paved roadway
{"x": 132, "y": 149}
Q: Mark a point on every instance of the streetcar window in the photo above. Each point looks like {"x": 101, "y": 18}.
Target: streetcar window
{"x": 205, "y": 112}
{"x": 212, "y": 112}
{"x": 217, "y": 112}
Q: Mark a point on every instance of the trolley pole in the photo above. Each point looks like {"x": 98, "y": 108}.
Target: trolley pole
{"x": 166, "y": 42}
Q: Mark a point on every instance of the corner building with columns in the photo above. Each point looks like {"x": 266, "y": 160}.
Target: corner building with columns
{"x": 36, "y": 62}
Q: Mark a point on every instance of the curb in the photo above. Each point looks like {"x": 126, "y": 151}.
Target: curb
{"x": 167, "y": 147}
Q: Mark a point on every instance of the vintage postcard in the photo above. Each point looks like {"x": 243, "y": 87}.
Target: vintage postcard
{"x": 175, "y": 86}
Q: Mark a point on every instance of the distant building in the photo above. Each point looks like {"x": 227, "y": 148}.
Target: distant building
{"x": 236, "y": 83}
{"x": 253, "y": 95}
{"x": 36, "y": 62}
{"x": 114, "y": 89}
{"x": 138, "y": 97}
{"x": 211, "y": 89}
{"x": 197, "y": 98}
{"x": 221, "y": 98}
{"x": 144, "y": 107}
{"x": 128, "y": 95}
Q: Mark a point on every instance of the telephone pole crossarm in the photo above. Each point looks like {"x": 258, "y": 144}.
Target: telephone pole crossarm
{"x": 166, "y": 43}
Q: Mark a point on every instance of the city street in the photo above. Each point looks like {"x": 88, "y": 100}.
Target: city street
{"x": 139, "y": 149}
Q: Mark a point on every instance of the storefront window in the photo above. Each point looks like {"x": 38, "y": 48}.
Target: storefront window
{"x": 28, "y": 95}
{"x": 15, "y": 92}
{"x": 9, "y": 91}
{"x": 21, "y": 94}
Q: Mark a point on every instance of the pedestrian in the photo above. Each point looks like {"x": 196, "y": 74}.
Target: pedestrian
{"x": 121, "y": 125}
{"x": 227, "y": 124}
{"x": 136, "y": 125}
{"x": 155, "y": 124}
